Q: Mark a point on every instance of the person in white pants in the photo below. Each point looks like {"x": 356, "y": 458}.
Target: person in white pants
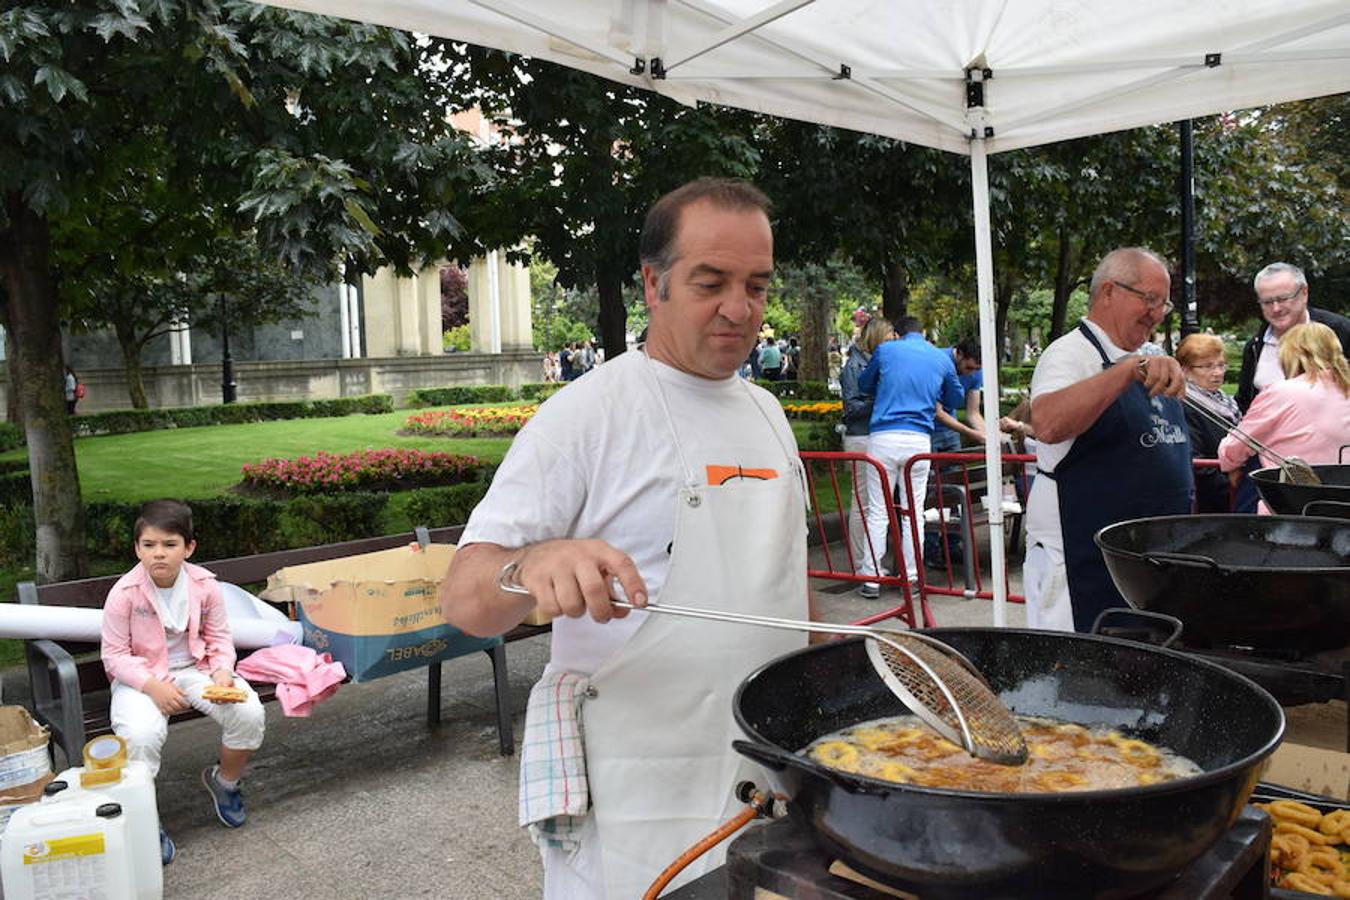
{"x": 857, "y": 424}
{"x": 908, "y": 377}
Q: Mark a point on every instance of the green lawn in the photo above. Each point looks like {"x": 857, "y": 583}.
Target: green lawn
{"x": 206, "y": 462}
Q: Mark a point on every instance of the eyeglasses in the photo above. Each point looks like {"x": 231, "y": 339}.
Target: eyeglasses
{"x": 1153, "y": 300}
{"x": 1210, "y": 367}
{"x": 1268, "y": 302}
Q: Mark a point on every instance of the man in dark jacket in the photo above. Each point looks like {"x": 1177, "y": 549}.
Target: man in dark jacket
{"x": 1282, "y": 291}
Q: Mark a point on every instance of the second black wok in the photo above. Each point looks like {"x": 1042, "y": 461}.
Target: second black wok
{"x": 1268, "y": 582}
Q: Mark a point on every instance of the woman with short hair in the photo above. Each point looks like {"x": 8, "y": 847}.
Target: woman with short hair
{"x": 1204, "y": 363}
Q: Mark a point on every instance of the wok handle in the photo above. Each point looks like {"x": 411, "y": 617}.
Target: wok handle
{"x": 1173, "y": 621}
{"x": 1340, "y": 454}
{"x": 1195, "y": 560}
{"x": 777, "y": 759}
{"x": 1338, "y": 509}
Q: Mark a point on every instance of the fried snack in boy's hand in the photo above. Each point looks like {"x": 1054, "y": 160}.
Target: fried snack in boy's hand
{"x": 218, "y": 693}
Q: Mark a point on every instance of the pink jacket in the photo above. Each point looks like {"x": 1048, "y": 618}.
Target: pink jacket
{"x": 303, "y": 677}
{"x": 1297, "y": 417}
{"x": 135, "y": 648}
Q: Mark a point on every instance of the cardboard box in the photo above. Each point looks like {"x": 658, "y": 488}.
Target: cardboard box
{"x": 23, "y": 749}
{"x": 15, "y": 798}
{"x": 1310, "y": 769}
{"x": 376, "y": 613}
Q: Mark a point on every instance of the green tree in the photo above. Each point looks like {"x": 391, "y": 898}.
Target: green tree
{"x": 817, "y": 293}
{"x": 585, "y": 160}
{"x": 327, "y": 137}
{"x": 898, "y": 211}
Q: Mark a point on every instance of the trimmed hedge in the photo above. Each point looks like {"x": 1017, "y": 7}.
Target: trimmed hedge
{"x": 16, "y": 487}
{"x": 11, "y": 436}
{"x": 1015, "y": 376}
{"x": 128, "y": 421}
{"x": 241, "y": 526}
{"x": 467, "y": 393}
{"x": 449, "y": 505}
{"x": 798, "y": 390}
{"x": 541, "y": 390}
{"x": 821, "y": 437}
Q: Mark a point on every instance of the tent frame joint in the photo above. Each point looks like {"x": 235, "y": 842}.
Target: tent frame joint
{"x": 639, "y": 66}
{"x": 658, "y": 68}
{"x": 976, "y": 76}
{"x": 845, "y": 73}
{"x": 1213, "y": 60}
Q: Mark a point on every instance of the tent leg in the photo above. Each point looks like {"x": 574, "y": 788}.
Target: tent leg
{"x": 989, "y": 352}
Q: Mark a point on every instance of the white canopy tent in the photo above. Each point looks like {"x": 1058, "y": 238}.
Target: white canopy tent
{"x": 969, "y": 76}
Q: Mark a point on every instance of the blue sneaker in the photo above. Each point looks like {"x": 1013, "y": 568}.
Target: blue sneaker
{"x": 229, "y": 804}
{"x": 167, "y": 851}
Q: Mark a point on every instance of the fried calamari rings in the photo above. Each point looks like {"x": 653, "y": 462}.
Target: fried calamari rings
{"x": 1335, "y": 822}
{"x": 1288, "y": 850}
{"x": 1322, "y": 865}
{"x": 1313, "y": 837}
{"x": 1297, "y": 881}
{"x": 1293, "y": 811}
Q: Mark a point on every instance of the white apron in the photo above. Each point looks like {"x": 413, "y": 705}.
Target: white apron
{"x": 657, "y": 719}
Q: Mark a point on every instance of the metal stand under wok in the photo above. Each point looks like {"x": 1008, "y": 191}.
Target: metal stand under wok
{"x": 1292, "y": 678}
{"x": 782, "y": 860}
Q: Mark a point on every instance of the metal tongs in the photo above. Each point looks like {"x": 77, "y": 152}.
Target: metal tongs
{"x": 1292, "y": 469}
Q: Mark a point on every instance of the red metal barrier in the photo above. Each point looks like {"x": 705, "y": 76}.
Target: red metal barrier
{"x": 956, "y": 497}
{"x": 830, "y": 478}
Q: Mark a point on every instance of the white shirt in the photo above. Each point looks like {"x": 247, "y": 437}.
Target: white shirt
{"x": 1071, "y": 358}
{"x": 1268, "y": 369}
{"x": 599, "y": 461}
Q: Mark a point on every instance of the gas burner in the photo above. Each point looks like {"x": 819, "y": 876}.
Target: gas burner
{"x": 781, "y": 861}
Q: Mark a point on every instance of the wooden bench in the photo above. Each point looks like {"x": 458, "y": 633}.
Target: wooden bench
{"x": 70, "y": 688}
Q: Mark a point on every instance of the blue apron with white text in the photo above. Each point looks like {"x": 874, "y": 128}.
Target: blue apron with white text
{"x": 1134, "y": 462}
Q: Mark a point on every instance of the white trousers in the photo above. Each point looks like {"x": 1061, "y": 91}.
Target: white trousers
{"x": 1045, "y": 581}
{"x": 855, "y": 525}
{"x": 137, "y": 720}
{"x": 893, "y": 449}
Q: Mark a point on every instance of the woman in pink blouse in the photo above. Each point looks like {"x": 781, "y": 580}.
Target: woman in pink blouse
{"x": 1308, "y": 414}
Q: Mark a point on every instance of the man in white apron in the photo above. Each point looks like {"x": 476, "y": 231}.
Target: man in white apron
{"x": 659, "y": 475}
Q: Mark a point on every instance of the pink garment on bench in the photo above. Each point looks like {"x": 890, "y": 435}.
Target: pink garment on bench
{"x": 303, "y": 677}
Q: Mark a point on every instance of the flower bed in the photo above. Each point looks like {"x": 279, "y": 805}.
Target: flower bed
{"x": 362, "y": 470}
{"x": 490, "y": 421}
{"x": 818, "y": 411}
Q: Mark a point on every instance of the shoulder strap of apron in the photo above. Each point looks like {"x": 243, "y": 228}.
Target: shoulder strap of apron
{"x": 1092, "y": 339}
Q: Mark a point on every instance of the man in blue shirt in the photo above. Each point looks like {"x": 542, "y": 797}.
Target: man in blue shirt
{"x": 948, "y": 431}
{"x": 908, "y": 377}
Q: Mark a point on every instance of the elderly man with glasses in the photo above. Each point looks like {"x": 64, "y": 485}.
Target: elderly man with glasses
{"x": 1112, "y": 439}
{"x": 1282, "y": 291}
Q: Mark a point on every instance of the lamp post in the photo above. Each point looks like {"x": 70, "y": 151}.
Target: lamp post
{"x": 1190, "y": 319}
{"x": 227, "y": 385}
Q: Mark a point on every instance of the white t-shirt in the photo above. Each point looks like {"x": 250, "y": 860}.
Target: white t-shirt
{"x": 599, "y": 461}
{"x": 1069, "y": 359}
{"x": 173, "y": 613}
{"x": 1268, "y": 368}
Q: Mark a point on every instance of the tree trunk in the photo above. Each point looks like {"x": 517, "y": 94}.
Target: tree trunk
{"x": 613, "y": 316}
{"x": 12, "y": 413}
{"x": 1003, "y": 296}
{"x": 895, "y": 291}
{"x": 31, "y": 317}
{"x": 816, "y": 308}
{"x": 1064, "y": 279}
{"x": 131, "y": 361}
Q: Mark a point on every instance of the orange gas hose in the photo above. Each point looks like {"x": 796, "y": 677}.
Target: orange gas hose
{"x": 724, "y": 831}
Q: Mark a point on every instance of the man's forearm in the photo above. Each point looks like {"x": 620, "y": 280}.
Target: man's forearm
{"x": 470, "y": 597}
{"x": 1069, "y": 412}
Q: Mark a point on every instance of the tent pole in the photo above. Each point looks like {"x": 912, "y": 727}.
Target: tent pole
{"x": 1190, "y": 318}
{"x": 989, "y": 354}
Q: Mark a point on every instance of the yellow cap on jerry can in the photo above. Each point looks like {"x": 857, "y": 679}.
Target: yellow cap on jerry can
{"x": 104, "y": 758}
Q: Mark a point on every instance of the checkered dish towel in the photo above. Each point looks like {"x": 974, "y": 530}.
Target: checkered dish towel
{"x": 554, "y": 795}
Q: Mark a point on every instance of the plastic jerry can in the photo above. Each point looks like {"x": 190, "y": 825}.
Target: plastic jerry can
{"x": 67, "y": 851}
{"x": 109, "y": 776}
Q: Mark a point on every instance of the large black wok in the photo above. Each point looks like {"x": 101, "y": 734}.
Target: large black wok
{"x": 1086, "y": 846}
{"x": 1269, "y": 582}
{"x": 1330, "y": 498}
